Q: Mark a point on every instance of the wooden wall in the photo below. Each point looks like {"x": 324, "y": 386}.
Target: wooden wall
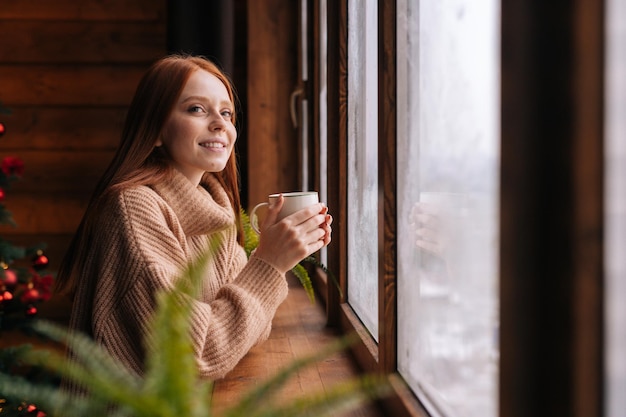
{"x": 68, "y": 70}
{"x": 272, "y": 76}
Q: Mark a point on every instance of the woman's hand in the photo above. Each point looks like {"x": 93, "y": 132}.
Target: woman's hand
{"x": 285, "y": 243}
{"x": 430, "y": 234}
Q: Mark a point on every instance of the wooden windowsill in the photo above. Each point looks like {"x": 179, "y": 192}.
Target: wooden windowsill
{"x": 299, "y": 329}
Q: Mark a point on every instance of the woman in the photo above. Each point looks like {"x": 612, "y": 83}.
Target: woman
{"x": 172, "y": 184}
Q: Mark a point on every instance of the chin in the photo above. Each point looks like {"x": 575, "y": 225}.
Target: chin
{"x": 216, "y": 168}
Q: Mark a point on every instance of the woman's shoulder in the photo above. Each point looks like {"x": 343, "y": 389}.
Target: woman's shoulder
{"x": 131, "y": 201}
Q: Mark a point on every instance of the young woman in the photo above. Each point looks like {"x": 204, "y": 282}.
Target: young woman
{"x": 172, "y": 184}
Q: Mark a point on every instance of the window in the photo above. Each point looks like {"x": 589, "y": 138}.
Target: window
{"x": 448, "y": 193}
{"x": 362, "y": 236}
{"x": 437, "y": 110}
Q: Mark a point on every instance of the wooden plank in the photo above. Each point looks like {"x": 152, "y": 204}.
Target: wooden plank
{"x": 44, "y": 214}
{"x": 62, "y": 128}
{"x": 59, "y": 171}
{"x": 273, "y": 147}
{"x": 298, "y": 330}
{"x": 387, "y": 300}
{"x": 69, "y": 85}
{"x": 551, "y": 214}
{"x": 83, "y": 9}
{"x": 52, "y": 42}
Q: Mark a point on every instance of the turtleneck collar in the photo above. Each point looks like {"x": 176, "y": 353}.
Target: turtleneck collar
{"x": 200, "y": 210}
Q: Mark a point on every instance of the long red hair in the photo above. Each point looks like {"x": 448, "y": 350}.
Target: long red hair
{"x": 137, "y": 161}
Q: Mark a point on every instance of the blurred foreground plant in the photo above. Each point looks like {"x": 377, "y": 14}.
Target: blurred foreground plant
{"x": 170, "y": 386}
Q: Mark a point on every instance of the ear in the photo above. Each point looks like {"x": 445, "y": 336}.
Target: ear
{"x": 158, "y": 143}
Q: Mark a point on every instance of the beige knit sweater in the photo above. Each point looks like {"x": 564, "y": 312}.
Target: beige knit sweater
{"x": 145, "y": 236}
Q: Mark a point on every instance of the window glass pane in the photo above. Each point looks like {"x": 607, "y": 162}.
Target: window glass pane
{"x": 362, "y": 290}
{"x": 616, "y": 208}
{"x": 448, "y": 192}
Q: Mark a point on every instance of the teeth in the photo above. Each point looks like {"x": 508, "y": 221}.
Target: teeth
{"x": 211, "y": 145}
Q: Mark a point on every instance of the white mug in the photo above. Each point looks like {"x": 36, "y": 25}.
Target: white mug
{"x": 293, "y": 202}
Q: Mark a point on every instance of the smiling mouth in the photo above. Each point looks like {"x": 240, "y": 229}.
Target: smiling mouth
{"x": 212, "y": 145}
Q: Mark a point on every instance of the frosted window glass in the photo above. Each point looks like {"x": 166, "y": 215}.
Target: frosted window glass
{"x": 362, "y": 196}
{"x": 448, "y": 182}
{"x": 615, "y": 192}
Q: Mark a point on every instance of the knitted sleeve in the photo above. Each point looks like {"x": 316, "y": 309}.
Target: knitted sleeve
{"x": 146, "y": 249}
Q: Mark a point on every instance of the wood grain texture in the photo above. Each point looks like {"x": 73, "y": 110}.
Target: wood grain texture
{"x": 588, "y": 203}
{"x": 551, "y": 209}
{"x": 103, "y": 42}
{"x": 272, "y": 71}
{"x": 62, "y": 128}
{"x": 337, "y": 152}
{"x": 60, "y": 171}
{"x": 68, "y": 71}
{"x": 69, "y": 85}
{"x": 387, "y": 236}
{"x": 42, "y": 214}
{"x": 153, "y": 10}
{"x": 298, "y": 330}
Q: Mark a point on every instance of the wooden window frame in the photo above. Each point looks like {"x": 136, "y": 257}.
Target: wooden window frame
{"x": 551, "y": 243}
{"x": 371, "y": 356}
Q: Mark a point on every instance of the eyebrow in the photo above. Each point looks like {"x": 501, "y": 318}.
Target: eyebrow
{"x": 203, "y": 98}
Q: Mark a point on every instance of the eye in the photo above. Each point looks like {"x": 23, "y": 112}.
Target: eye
{"x": 228, "y": 114}
{"x": 195, "y": 109}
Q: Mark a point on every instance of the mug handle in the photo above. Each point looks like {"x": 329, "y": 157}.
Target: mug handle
{"x": 254, "y": 222}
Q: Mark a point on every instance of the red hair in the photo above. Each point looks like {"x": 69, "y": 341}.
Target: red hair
{"x": 137, "y": 161}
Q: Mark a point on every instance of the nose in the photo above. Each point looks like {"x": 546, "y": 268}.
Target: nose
{"x": 216, "y": 122}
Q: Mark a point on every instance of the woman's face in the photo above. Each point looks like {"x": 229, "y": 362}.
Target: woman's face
{"x": 199, "y": 134}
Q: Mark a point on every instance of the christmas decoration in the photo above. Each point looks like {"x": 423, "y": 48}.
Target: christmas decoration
{"x": 24, "y": 284}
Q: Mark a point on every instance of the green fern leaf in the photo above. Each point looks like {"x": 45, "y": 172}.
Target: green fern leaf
{"x": 313, "y": 261}
{"x": 251, "y": 238}
{"x": 171, "y": 370}
{"x": 303, "y": 276}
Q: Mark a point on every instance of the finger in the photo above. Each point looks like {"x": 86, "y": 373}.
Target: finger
{"x": 315, "y": 246}
{"x": 429, "y": 246}
{"x": 272, "y": 211}
{"x": 313, "y": 223}
{"x": 327, "y": 235}
{"x": 303, "y": 215}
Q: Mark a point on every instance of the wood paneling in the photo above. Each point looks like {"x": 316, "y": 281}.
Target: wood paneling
{"x": 50, "y": 10}
{"x": 68, "y": 71}
{"x": 62, "y": 128}
{"x": 100, "y": 42}
{"x": 44, "y": 214}
{"x": 272, "y": 71}
{"x": 69, "y": 85}
{"x": 53, "y": 172}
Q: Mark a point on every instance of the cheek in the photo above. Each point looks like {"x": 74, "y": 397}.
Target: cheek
{"x": 233, "y": 134}
{"x": 173, "y": 132}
